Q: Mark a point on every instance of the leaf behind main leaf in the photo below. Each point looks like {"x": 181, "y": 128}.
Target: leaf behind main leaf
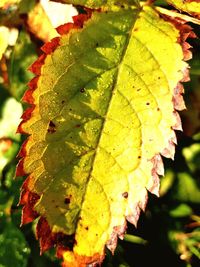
{"x": 99, "y": 3}
{"x": 190, "y": 6}
{"x": 102, "y": 112}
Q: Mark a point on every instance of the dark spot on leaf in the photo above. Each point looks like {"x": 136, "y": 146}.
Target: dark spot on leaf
{"x": 135, "y": 30}
{"x": 68, "y": 199}
{"x": 97, "y": 44}
{"x": 158, "y": 109}
{"x": 125, "y": 194}
{"x": 138, "y": 89}
{"x": 77, "y": 125}
{"x": 139, "y": 157}
{"x": 63, "y": 102}
{"x": 82, "y": 90}
{"x": 86, "y": 228}
{"x": 147, "y": 103}
{"x": 52, "y": 127}
{"x": 158, "y": 78}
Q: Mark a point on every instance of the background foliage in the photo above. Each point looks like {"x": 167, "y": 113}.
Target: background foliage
{"x": 168, "y": 233}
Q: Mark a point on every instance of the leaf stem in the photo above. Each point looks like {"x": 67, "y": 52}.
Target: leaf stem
{"x": 135, "y": 239}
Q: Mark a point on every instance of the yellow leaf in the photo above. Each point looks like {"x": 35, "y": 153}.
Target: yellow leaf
{"x": 4, "y": 38}
{"x": 189, "y": 6}
{"x": 40, "y": 25}
{"x": 46, "y": 16}
{"x": 7, "y": 3}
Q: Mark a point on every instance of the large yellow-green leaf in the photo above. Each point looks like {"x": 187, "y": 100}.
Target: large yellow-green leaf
{"x": 103, "y": 110}
{"x": 189, "y": 6}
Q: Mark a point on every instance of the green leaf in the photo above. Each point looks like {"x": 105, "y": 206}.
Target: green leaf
{"x": 135, "y": 239}
{"x": 181, "y": 210}
{"x": 187, "y": 189}
{"x": 167, "y": 182}
{"x": 25, "y": 6}
{"x": 101, "y": 115}
{"x": 14, "y": 250}
{"x": 192, "y": 156}
{"x": 23, "y": 54}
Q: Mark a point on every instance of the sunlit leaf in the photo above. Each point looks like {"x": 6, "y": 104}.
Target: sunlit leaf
{"x": 46, "y": 16}
{"x": 99, "y": 3}
{"x": 10, "y": 118}
{"x": 40, "y": 25}
{"x": 7, "y": 3}
{"x": 58, "y": 13}
{"x": 189, "y": 6}
{"x": 4, "y": 35}
{"x": 102, "y": 112}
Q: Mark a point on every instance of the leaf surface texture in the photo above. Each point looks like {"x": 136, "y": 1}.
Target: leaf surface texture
{"x": 103, "y": 110}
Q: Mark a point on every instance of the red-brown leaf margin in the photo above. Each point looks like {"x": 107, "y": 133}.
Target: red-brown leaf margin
{"x": 28, "y": 199}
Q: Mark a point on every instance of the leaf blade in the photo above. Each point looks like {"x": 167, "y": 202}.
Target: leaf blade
{"x": 83, "y": 147}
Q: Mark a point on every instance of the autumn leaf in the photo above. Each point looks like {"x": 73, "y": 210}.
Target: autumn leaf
{"x": 46, "y": 16}
{"x": 58, "y": 13}
{"x": 7, "y": 3}
{"x": 99, "y": 3}
{"x": 189, "y": 6}
{"x": 40, "y": 25}
{"x": 102, "y": 112}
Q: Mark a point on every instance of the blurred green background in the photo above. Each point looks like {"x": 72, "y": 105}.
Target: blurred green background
{"x": 168, "y": 233}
